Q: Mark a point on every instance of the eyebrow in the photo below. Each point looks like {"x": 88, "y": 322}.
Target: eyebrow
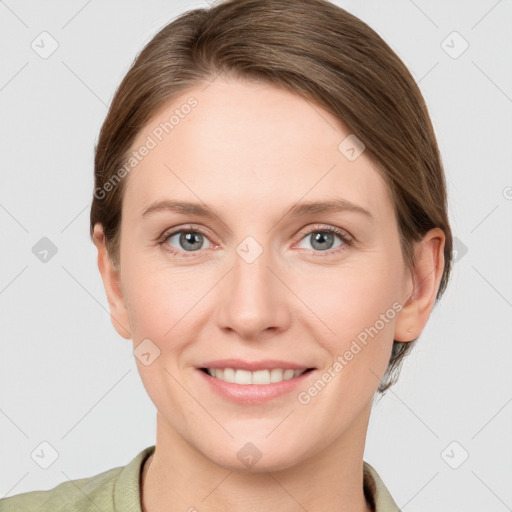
{"x": 299, "y": 209}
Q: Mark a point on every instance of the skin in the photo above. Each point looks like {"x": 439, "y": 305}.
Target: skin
{"x": 250, "y": 150}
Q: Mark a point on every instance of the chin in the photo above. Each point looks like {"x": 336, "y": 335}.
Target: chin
{"x": 249, "y": 457}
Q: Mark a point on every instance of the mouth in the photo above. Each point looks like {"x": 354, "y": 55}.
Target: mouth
{"x": 260, "y": 377}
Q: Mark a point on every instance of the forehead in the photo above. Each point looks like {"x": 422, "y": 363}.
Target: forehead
{"x": 239, "y": 143}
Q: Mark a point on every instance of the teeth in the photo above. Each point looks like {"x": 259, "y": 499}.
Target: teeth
{"x": 257, "y": 377}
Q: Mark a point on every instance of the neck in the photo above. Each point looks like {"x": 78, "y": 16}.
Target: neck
{"x": 177, "y": 477}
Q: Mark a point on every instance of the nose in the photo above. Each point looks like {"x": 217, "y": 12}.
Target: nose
{"x": 254, "y": 301}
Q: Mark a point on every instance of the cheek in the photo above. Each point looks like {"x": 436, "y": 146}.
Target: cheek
{"x": 352, "y": 297}
{"x": 357, "y": 307}
{"x": 161, "y": 309}
{"x": 158, "y": 301}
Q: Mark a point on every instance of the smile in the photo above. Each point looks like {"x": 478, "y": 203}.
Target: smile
{"x": 259, "y": 377}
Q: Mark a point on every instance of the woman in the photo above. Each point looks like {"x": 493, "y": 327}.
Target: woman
{"x": 261, "y": 131}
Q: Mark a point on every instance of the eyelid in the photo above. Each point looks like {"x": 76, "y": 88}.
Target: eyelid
{"x": 179, "y": 229}
{"x": 344, "y": 236}
{"x": 314, "y": 228}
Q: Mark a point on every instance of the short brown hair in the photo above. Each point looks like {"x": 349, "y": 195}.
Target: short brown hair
{"x": 312, "y": 48}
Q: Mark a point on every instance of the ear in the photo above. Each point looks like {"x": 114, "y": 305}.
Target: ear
{"x": 421, "y": 286}
{"x": 112, "y": 283}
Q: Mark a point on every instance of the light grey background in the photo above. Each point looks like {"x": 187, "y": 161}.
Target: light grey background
{"x": 68, "y": 379}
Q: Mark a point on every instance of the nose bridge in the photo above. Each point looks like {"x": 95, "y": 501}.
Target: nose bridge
{"x": 254, "y": 299}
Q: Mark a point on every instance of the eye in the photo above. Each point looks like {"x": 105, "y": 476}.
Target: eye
{"x": 192, "y": 240}
{"x": 184, "y": 240}
{"x": 323, "y": 239}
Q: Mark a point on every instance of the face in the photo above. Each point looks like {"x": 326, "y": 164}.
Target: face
{"x": 251, "y": 278}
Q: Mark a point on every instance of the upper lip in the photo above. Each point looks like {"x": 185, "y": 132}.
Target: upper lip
{"x": 252, "y": 366}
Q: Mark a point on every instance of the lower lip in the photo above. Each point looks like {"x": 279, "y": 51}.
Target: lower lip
{"x": 254, "y": 393}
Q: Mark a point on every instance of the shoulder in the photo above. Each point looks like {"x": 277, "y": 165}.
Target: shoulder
{"x": 376, "y": 491}
{"x": 80, "y": 495}
{"x": 114, "y": 489}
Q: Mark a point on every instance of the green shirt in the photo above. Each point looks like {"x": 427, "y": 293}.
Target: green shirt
{"x": 118, "y": 490}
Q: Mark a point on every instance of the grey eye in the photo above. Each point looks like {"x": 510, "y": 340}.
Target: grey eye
{"x": 188, "y": 240}
{"x": 322, "y": 240}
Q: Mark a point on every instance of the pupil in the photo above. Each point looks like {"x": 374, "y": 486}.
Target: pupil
{"x": 322, "y": 237}
{"x": 188, "y": 239}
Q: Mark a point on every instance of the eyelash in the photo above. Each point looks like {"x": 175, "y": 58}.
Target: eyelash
{"x": 346, "y": 239}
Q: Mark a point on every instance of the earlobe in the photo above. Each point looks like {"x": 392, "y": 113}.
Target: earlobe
{"x": 421, "y": 286}
{"x": 112, "y": 284}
